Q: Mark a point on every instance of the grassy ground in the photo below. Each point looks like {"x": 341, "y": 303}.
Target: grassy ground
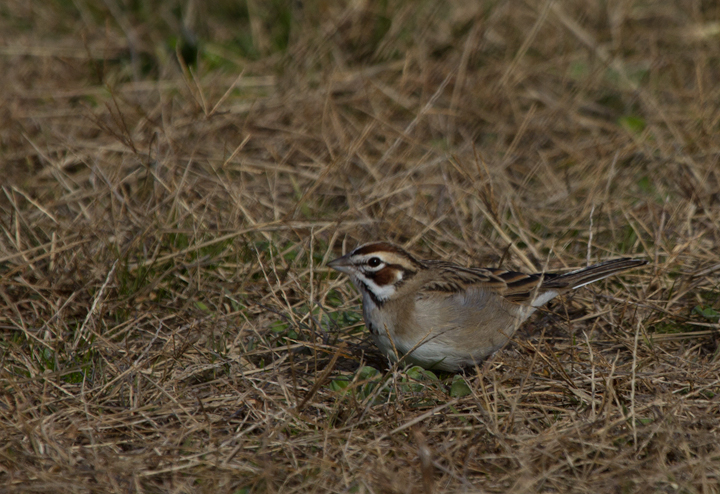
{"x": 175, "y": 175}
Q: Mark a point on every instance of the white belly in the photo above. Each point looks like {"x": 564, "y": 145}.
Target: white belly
{"x": 428, "y": 350}
{"x": 444, "y": 336}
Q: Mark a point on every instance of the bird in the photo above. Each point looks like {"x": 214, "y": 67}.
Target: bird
{"x": 443, "y": 316}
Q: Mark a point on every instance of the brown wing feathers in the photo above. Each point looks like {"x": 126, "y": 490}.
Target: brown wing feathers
{"x": 455, "y": 278}
{"x": 521, "y": 287}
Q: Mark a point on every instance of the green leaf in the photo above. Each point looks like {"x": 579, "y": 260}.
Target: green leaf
{"x": 279, "y": 326}
{"x": 632, "y": 123}
{"x": 339, "y": 384}
{"x": 459, "y": 387}
{"x": 415, "y": 372}
{"x": 645, "y": 185}
{"x": 416, "y": 378}
{"x": 419, "y": 374}
{"x": 579, "y": 70}
{"x": 707, "y": 312}
{"x": 367, "y": 372}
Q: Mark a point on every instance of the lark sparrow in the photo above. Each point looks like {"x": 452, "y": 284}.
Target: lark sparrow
{"x": 447, "y": 316}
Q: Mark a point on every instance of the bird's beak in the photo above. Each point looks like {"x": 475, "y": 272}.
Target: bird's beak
{"x": 341, "y": 264}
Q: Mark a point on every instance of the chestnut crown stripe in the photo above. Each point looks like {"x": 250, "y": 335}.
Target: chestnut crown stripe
{"x": 391, "y": 254}
{"x": 379, "y": 247}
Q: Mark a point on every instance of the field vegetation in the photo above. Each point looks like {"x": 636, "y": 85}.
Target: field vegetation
{"x": 175, "y": 175}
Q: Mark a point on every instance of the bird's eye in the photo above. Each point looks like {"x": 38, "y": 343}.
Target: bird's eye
{"x": 374, "y": 262}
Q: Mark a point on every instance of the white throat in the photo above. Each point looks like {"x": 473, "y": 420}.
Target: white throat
{"x": 381, "y": 293}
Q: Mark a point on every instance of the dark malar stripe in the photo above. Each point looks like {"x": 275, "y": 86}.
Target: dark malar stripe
{"x": 372, "y": 295}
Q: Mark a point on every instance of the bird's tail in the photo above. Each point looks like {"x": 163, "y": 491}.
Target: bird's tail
{"x": 585, "y": 276}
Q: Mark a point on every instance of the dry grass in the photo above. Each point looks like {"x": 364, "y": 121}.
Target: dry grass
{"x": 168, "y": 324}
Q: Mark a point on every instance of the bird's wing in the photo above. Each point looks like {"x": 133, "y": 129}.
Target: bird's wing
{"x": 513, "y": 286}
